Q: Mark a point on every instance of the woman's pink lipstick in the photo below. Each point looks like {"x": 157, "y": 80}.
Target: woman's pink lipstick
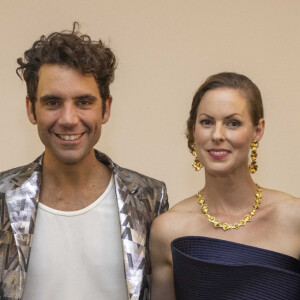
{"x": 218, "y": 153}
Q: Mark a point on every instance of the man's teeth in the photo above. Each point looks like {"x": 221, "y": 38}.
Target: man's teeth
{"x": 69, "y": 137}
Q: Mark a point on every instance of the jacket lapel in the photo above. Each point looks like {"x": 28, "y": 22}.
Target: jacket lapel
{"x": 21, "y": 201}
{"x": 133, "y": 225}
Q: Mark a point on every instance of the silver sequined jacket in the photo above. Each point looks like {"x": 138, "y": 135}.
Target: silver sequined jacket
{"x": 140, "y": 200}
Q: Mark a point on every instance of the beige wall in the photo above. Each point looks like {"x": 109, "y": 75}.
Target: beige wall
{"x": 165, "y": 50}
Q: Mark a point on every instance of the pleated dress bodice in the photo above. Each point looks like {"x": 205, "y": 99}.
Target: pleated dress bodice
{"x": 208, "y": 268}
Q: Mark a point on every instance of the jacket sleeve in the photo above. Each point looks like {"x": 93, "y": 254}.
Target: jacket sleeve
{"x": 164, "y": 203}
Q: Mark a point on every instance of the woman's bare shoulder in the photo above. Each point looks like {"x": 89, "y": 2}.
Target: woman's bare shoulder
{"x": 285, "y": 204}
{"x": 279, "y": 197}
{"x": 170, "y": 224}
{"x": 185, "y": 205}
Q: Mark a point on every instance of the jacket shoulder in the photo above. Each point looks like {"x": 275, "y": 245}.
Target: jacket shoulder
{"x": 7, "y": 178}
{"x": 10, "y": 172}
{"x": 129, "y": 177}
{"x": 148, "y": 189}
{"x": 7, "y": 175}
{"x": 132, "y": 178}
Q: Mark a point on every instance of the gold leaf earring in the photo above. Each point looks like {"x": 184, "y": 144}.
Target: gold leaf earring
{"x": 196, "y": 163}
{"x": 253, "y": 167}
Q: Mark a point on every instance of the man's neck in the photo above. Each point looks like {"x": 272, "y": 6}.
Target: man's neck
{"x": 73, "y": 186}
{"x": 71, "y": 174}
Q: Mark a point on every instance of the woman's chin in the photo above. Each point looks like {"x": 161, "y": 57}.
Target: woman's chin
{"x": 220, "y": 171}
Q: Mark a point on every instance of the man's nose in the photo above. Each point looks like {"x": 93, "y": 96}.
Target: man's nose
{"x": 69, "y": 115}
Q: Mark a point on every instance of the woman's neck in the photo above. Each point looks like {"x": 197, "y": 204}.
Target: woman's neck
{"x": 227, "y": 193}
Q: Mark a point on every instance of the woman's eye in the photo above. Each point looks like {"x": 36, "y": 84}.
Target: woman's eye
{"x": 234, "y": 123}
{"x": 205, "y": 122}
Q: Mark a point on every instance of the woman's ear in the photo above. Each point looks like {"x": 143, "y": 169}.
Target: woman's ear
{"x": 259, "y": 130}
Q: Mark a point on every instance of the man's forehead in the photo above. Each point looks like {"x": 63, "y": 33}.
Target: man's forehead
{"x": 57, "y": 79}
{"x": 60, "y": 68}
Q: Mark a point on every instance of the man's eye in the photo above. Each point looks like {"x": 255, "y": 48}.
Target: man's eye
{"x": 84, "y": 102}
{"x": 52, "y": 103}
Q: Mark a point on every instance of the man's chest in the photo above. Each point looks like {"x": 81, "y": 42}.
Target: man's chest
{"x": 77, "y": 253}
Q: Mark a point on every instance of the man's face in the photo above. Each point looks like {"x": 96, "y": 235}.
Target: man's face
{"x": 68, "y": 113}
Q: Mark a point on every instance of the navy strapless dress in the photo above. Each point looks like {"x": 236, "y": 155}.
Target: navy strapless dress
{"x": 207, "y": 268}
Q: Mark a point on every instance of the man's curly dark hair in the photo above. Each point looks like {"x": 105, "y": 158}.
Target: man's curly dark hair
{"x": 71, "y": 49}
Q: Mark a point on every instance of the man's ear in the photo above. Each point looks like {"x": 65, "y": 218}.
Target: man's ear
{"x": 259, "y": 130}
{"x": 106, "y": 115}
{"x": 30, "y": 111}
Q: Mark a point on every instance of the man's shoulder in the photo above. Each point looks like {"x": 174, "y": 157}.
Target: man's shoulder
{"x": 7, "y": 177}
{"x": 127, "y": 176}
{"x": 10, "y": 172}
{"x": 144, "y": 188}
{"x": 134, "y": 177}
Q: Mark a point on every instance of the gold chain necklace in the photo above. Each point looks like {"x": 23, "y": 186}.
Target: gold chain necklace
{"x": 226, "y": 226}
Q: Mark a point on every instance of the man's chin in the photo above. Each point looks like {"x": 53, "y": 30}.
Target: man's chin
{"x": 67, "y": 157}
{"x": 71, "y": 159}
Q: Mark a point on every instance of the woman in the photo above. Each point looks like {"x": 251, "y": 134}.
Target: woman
{"x": 233, "y": 239}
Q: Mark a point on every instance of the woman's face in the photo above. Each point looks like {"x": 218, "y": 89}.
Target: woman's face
{"x": 224, "y": 131}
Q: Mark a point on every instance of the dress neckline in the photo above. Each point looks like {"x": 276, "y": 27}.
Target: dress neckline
{"x": 235, "y": 244}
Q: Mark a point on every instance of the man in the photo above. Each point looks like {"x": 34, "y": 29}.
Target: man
{"x": 81, "y": 219}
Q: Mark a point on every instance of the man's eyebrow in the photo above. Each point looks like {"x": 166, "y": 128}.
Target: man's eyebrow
{"x": 49, "y": 97}
{"x": 86, "y": 96}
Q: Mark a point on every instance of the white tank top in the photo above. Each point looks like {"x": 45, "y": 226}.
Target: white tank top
{"x": 78, "y": 254}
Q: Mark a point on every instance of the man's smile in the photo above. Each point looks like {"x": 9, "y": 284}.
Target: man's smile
{"x": 69, "y": 137}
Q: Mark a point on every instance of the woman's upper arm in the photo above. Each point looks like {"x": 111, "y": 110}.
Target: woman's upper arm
{"x": 162, "y": 286}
